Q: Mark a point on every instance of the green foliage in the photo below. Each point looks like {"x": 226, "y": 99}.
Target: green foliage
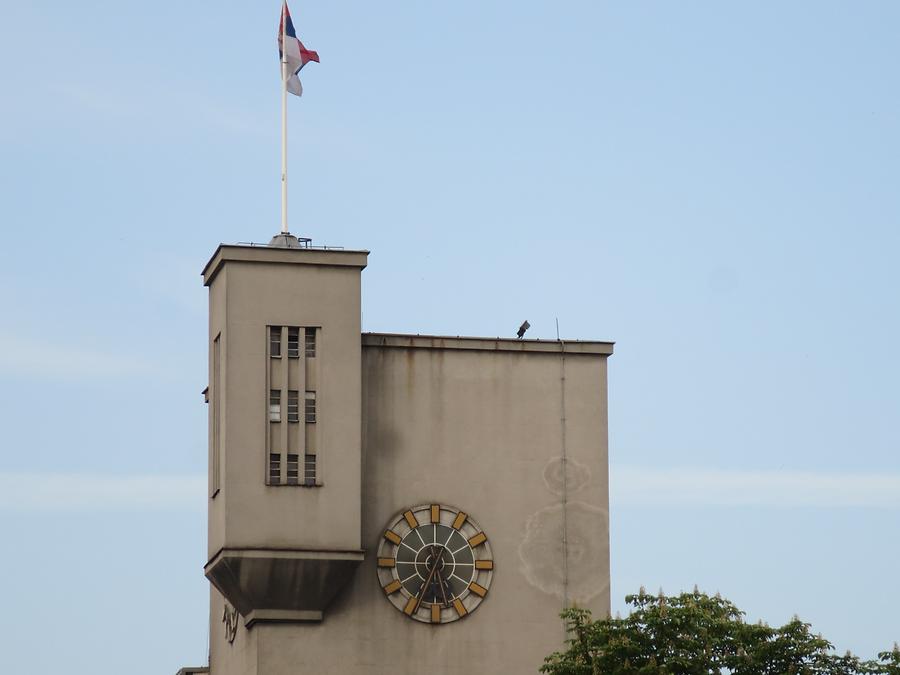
{"x": 695, "y": 634}
{"x": 890, "y": 661}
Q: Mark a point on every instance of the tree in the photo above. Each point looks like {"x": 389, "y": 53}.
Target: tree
{"x": 695, "y": 634}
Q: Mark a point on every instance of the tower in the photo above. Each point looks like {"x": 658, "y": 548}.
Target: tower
{"x": 285, "y": 447}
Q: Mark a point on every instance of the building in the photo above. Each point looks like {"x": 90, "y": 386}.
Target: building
{"x": 383, "y": 503}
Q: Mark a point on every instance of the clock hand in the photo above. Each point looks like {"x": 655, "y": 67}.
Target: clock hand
{"x": 442, "y": 584}
{"x": 437, "y": 555}
{"x": 421, "y": 593}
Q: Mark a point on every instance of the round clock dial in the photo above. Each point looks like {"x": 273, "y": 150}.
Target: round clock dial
{"x": 435, "y": 563}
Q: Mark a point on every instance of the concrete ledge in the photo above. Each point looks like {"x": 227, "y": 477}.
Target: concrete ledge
{"x": 281, "y": 616}
{"x": 485, "y": 344}
{"x": 281, "y": 580}
{"x": 270, "y": 254}
{"x": 287, "y": 554}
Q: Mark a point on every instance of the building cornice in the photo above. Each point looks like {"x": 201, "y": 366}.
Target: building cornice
{"x": 270, "y": 254}
{"x": 485, "y": 344}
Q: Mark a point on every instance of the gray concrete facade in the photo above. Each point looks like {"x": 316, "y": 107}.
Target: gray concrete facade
{"x": 511, "y": 432}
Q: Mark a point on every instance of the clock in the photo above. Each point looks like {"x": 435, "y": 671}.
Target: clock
{"x": 435, "y": 563}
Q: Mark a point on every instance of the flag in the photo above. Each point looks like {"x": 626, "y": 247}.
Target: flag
{"x": 291, "y": 50}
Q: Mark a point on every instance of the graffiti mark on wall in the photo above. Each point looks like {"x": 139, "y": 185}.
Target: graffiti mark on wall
{"x": 230, "y": 619}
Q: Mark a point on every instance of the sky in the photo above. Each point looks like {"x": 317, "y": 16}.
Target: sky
{"x": 711, "y": 185}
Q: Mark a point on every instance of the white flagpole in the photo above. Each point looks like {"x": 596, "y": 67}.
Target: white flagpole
{"x": 284, "y": 79}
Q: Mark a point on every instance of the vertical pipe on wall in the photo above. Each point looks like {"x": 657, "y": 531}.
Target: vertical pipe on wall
{"x": 565, "y": 473}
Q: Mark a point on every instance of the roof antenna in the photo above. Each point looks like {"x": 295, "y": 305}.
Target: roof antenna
{"x": 557, "y": 329}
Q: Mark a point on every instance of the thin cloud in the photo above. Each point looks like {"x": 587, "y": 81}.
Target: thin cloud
{"x": 640, "y": 486}
{"x": 27, "y": 357}
{"x": 55, "y": 492}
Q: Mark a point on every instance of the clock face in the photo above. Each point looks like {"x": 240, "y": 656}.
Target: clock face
{"x": 435, "y": 563}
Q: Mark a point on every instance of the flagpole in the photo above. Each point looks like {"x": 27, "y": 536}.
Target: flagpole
{"x": 284, "y": 79}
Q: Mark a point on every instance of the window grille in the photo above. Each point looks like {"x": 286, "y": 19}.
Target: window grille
{"x": 274, "y": 468}
{"x": 293, "y": 406}
{"x": 293, "y": 343}
{"x": 309, "y": 469}
{"x": 310, "y": 408}
{"x": 293, "y": 469}
{"x": 275, "y": 341}
{"x": 310, "y": 344}
{"x": 275, "y": 405}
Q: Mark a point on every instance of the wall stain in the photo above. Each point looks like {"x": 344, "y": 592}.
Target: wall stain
{"x": 541, "y": 555}
{"x": 579, "y": 475}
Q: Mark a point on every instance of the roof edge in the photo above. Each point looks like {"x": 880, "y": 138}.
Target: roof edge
{"x": 409, "y": 341}
{"x": 332, "y": 257}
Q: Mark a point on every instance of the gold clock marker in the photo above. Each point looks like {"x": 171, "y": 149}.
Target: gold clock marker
{"x": 477, "y": 539}
{"x": 477, "y": 589}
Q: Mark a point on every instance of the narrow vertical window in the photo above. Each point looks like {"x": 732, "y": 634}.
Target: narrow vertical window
{"x": 275, "y": 341}
{"x": 293, "y": 343}
{"x": 274, "y": 469}
{"x": 293, "y": 469}
{"x": 216, "y": 414}
{"x": 293, "y": 405}
{"x": 275, "y": 405}
{"x": 310, "y": 345}
{"x": 310, "y": 408}
{"x": 309, "y": 469}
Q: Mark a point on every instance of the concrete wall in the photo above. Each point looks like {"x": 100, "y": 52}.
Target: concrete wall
{"x": 467, "y": 425}
{"x": 239, "y": 657}
{"x": 217, "y": 400}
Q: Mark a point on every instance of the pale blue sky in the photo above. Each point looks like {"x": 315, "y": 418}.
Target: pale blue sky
{"x": 712, "y": 186}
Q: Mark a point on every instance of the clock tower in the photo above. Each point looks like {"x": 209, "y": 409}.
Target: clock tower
{"x": 390, "y": 503}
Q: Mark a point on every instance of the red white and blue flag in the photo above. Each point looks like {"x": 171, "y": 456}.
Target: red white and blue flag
{"x": 292, "y": 52}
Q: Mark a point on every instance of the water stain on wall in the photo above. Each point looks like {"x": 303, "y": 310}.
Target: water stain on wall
{"x": 578, "y": 474}
{"x": 541, "y": 553}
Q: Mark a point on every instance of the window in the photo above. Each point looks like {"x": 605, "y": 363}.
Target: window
{"x": 275, "y": 341}
{"x": 310, "y": 409}
{"x": 310, "y": 343}
{"x": 309, "y": 469}
{"x": 293, "y": 405}
{"x": 274, "y": 468}
{"x": 216, "y": 413}
{"x": 293, "y": 469}
{"x": 275, "y": 405}
{"x": 293, "y": 343}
